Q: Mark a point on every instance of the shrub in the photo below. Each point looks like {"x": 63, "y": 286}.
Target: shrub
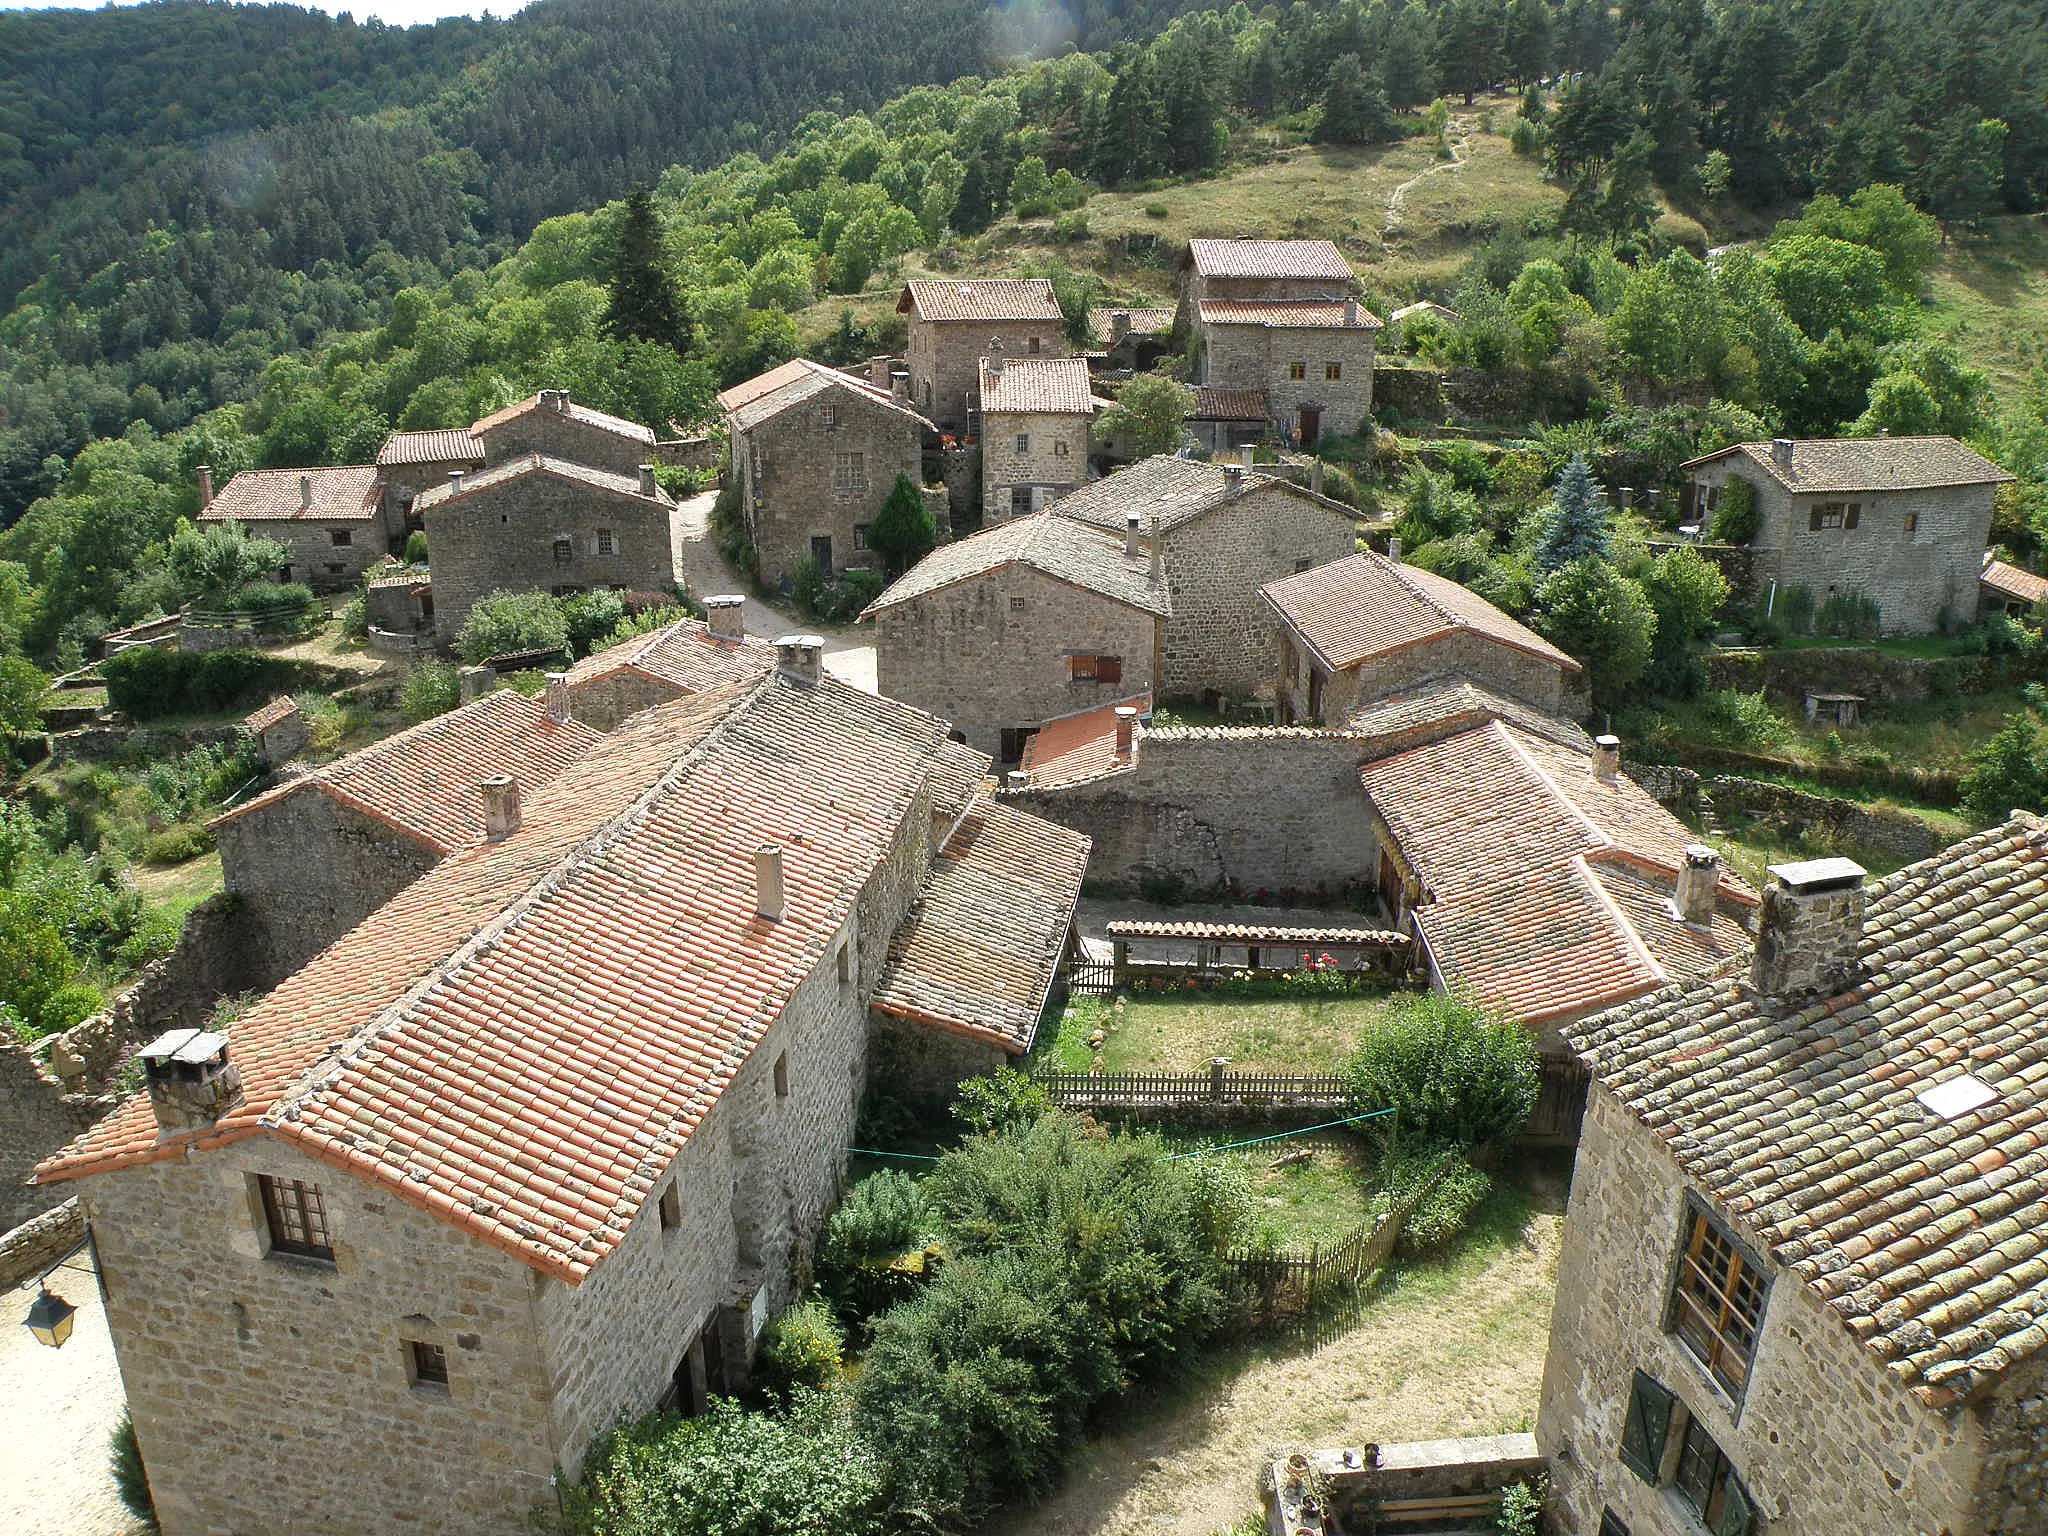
{"x": 1070, "y": 226}
{"x": 2010, "y": 771}
{"x": 1795, "y": 610}
{"x": 149, "y": 683}
{"x": 882, "y": 1218}
{"x": 1731, "y": 718}
{"x": 1445, "y": 1211}
{"x": 999, "y": 1100}
{"x": 154, "y": 935}
{"x": 1736, "y": 518}
{"x": 213, "y": 563}
{"x": 176, "y": 844}
{"x": 1156, "y": 211}
{"x": 1521, "y": 1504}
{"x": 903, "y": 532}
{"x": 1848, "y": 615}
{"x": 293, "y": 597}
{"x": 803, "y": 1349}
{"x": 131, "y": 1479}
{"x": 1454, "y": 1076}
{"x": 355, "y": 617}
{"x": 416, "y": 547}
{"x": 325, "y": 719}
{"x": 431, "y": 688}
{"x": 590, "y": 616}
{"x": 510, "y": 623}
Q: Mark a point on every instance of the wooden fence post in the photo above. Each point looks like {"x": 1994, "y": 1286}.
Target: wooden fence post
{"x": 1216, "y": 1066}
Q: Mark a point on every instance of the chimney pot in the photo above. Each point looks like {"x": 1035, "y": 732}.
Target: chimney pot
{"x": 1233, "y": 479}
{"x": 1131, "y": 536}
{"x": 1699, "y": 878}
{"x": 899, "y": 387}
{"x": 1394, "y": 549}
{"x": 1016, "y": 780}
{"x": 1315, "y": 478}
{"x": 1126, "y": 729}
{"x": 305, "y": 491}
{"x": 558, "y": 697}
{"x": 726, "y": 616}
{"x": 475, "y": 682}
{"x": 455, "y": 482}
{"x": 1119, "y": 325}
{"x": 1810, "y": 931}
{"x": 205, "y": 473}
{"x": 1781, "y": 451}
{"x": 556, "y": 400}
{"x": 191, "y": 1081}
{"x": 501, "y": 806}
{"x": 881, "y": 369}
{"x": 647, "y": 487}
{"x": 801, "y": 657}
{"x": 1606, "y": 756}
{"x": 1351, "y": 311}
{"x": 769, "y": 898}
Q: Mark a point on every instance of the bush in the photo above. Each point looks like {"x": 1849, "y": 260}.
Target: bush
{"x": 264, "y": 597}
{"x": 1157, "y": 211}
{"x": 2010, "y": 771}
{"x": 1730, "y": 718}
{"x": 510, "y": 624}
{"x": 431, "y": 688}
{"x": 416, "y": 547}
{"x": 1849, "y": 616}
{"x": 149, "y": 684}
{"x": 131, "y": 1479}
{"x": 882, "y": 1218}
{"x": 1070, "y": 226}
{"x": 1521, "y": 1504}
{"x": 1736, "y": 518}
{"x": 1446, "y": 1210}
{"x": 1795, "y": 610}
{"x": 1454, "y": 1076}
{"x": 998, "y": 1100}
{"x": 590, "y": 617}
{"x": 355, "y": 617}
{"x": 803, "y": 1349}
{"x": 177, "y": 844}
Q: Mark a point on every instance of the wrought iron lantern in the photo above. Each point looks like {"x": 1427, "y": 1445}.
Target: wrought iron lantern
{"x": 50, "y": 1318}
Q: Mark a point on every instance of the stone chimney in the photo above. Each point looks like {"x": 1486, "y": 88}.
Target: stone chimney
{"x": 1781, "y": 451}
{"x": 1131, "y": 526}
{"x": 881, "y": 370}
{"x": 1351, "y": 311}
{"x": 1119, "y": 325}
{"x": 454, "y": 482}
{"x": 556, "y": 400}
{"x": 942, "y": 828}
{"x": 726, "y": 616}
{"x": 994, "y": 361}
{"x": 1126, "y": 730}
{"x": 769, "y": 897}
{"x": 205, "y": 472}
{"x": 305, "y": 492}
{"x": 558, "y": 697}
{"x": 1699, "y": 877}
{"x": 1233, "y": 479}
{"x": 191, "y": 1081}
{"x": 475, "y": 682}
{"x": 899, "y": 386}
{"x": 801, "y": 658}
{"x": 501, "y": 806}
{"x": 1810, "y": 929}
{"x": 1315, "y": 477}
{"x": 1016, "y": 781}
{"x": 1606, "y": 757}
{"x": 1394, "y": 549}
{"x": 647, "y": 480}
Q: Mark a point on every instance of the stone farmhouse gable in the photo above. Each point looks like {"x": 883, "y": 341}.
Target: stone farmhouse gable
{"x": 818, "y": 452}
{"x": 1541, "y": 879}
{"x": 313, "y": 857}
{"x": 952, "y": 325}
{"x": 1903, "y": 521}
{"x": 551, "y": 423}
{"x": 1807, "y": 1244}
{"x": 616, "y": 1049}
{"x": 1223, "y": 532}
{"x": 411, "y": 462}
{"x": 328, "y": 520}
{"x": 1366, "y": 625}
{"x": 687, "y": 657}
{"x": 1038, "y": 424}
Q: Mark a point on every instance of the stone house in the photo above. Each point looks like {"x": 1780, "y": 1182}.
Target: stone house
{"x": 1367, "y": 626}
{"x": 1129, "y": 337}
{"x": 953, "y": 325}
{"x": 1281, "y": 317}
{"x": 2007, "y": 589}
{"x": 554, "y": 426}
{"x": 1902, "y": 521}
{"x": 818, "y": 452}
{"x": 1223, "y": 533}
{"x": 1034, "y": 619}
{"x": 544, "y": 1144}
{"x": 1037, "y": 427}
{"x": 313, "y": 857}
{"x": 400, "y": 607}
{"x": 330, "y": 521}
{"x": 411, "y": 462}
{"x": 1226, "y": 421}
{"x": 547, "y": 525}
{"x": 278, "y": 731}
{"x": 687, "y": 657}
{"x": 1802, "y": 1285}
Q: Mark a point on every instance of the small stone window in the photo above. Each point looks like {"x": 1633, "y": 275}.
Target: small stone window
{"x": 1717, "y": 1301}
{"x": 296, "y": 1214}
{"x": 1612, "y": 1524}
{"x": 671, "y": 1207}
{"x": 1333, "y": 371}
{"x": 335, "y": 568}
{"x": 1912, "y": 522}
{"x": 565, "y": 551}
{"x": 844, "y": 962}
{"x": 860, "y": 535}
{"x": 1303, "y": 564}
{"x": 828, "y": 416}
{"x": 1017, "y": 605}
{"x": 849, "y": 473}
{"x": 1059, "y": 448}
{"x": 782, "y": 1076}
{"x": 607, "y": 542}
{"x": 1297, "y": 370}
{"x": 1033, "y": 345}
{"x": 340, "y": 538}
{"x": 426, "y": 1365}
{"x": 1023, "y": 442}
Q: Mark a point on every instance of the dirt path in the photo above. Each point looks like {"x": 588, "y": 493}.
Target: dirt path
{"x": 1433, "y": 1354}
{"x": 849, "y": 653}
{"x": 1459, "y": 140}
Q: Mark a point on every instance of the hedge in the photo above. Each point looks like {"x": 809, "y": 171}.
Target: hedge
{"x": 149, "y": 684}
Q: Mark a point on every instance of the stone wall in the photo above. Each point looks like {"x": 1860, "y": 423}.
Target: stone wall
{"x": 316, "y": 559}
{"x": 306, "y": 870}
{"x": 1794, "y": 811}
{"x": 503, "y": 536}
{"x": 403, "y": 483}
{"x": 1199, "y": 811}
{"x": 945, "y": 361}
{"x": 1262, "y": 357}
{"x": 39, "y": 1243}
{"x": 604, "y": 701}
{"x": 1220, "y": 637}
{"x": 796, "y": 488}
{"x": 37, "y": 1118}
{"x": 2012, "y": 1489}
{"x": 1879, "y": 676}
{"x": 1501, "y": 667}
{"x": 992, "y": 653}
{"x": 1411, "y": 394}
{"x": 923, "y": 1063}
{"x": 1826, "y": 1441}
{"x": 561, "y": 436}
{"x": 1053, "y": 462}
{"x": 109, "y": 743}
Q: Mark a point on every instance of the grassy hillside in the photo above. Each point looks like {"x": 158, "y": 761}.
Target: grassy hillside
{"x": 1990, "y": 295}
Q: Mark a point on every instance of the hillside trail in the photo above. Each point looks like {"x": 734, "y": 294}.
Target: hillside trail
{"x": 1459, "y": 139}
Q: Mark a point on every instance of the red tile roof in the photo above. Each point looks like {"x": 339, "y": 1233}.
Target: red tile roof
{"x": 1290, "y": 314}
{"x": 618, "y": 426}
{"x": 1269, "y": 258}
{"x": 276, "y": 712}
{"x": 1041, "y": 386}
{"x": 521, "y": 1040}
{"x": 987, "y": 298}
{"x": 1076, "y": 748}
{"x": 766, "y": 396}
{"x": 1215, "y": 403}
{"x": 980, "y": 951}
{"x": 1365, "y": 606}
{"x": 423, "y": 781}
{"x": 1540, "y": 879}
{"x": 453, "y": 446}
{"x": 346, "y": 494}
{"x": 685, "y": 655}
{"x": 2010, "y": 581}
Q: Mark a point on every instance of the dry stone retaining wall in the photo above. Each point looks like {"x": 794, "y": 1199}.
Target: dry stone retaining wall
{"x": 37, "y": 1244}
{"x": 1904, "y": 836}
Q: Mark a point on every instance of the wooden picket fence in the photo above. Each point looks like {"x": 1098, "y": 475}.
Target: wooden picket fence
{"x": 1123, "y": 1090}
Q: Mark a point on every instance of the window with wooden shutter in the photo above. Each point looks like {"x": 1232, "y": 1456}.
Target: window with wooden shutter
{"x": 1612, "y": 1524}
{"x": 1081, "y": 669}
{"x": 1646, "y": 1428}
{"x": 1717, "y": 1301}
{"x": 1109, "y": 669}
{"x": 1853, "y": 515}
{"x": 1708, "y": 1483}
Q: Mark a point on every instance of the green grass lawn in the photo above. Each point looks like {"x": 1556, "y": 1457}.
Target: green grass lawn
{"x": 1181, "y": 1033}
{"x": 1989, "y": 295}
{"x": 1318, "y": 1200}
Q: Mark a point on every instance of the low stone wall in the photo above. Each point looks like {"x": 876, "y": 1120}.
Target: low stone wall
{"x": 1412, "y": 394}
{"x": 1478, "y": 1467}
{"x": 38, "y": 1243}
{"x": 1794, "y": 811}
{"x": 691, "y": 452}
{"x": 107, "y": 743}
{"x": 198, "y": 639}
{"x": 1878, "y": 676}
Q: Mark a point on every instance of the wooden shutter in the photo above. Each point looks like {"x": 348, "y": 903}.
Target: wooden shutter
{"x": 1854, "y": 515}
{"x": 1738, "y": 1515}
{"x": 1109, "y": 669}
{"x": 1612, "y": 1524}
{"x": 1646, "y": 1429}
{"x": 1813, "y": 521}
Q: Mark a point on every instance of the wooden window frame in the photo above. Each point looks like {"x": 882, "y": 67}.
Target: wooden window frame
{"x": 849, "y": 473}
{"x": 1612, "y": 1524}
{"x": 1705, "y": 1481}
{"x": 1083, "y": 668}
{"x": 565, "y": 551}
{"x": 341, "y": 538}
{"x": 828, "y": 416}
{"x": 1059, "y": 448}
{"x": 295, "y": 1213}
{"x": 1719, "y": 1297}
{"x": 1017, "y": 603}
{"x": 1912, "y": 522}
{"x": 1646, "y": 1427}
{"x": 1023, "y": 442}
{"x": 1829, "y": 516}
{"x": 1332, "y": 372}
{"x": 607, "y": 541}
{"x": 426, "y": 1366}
{"x": 1297, "y": 372}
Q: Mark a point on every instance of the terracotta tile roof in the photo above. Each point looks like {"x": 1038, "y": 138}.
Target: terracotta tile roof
{"x": 1240, "y": 933}
{"x": 1290, "y": 314}
{"x": 453, "y": 446}
{"x": 535, "y": 464}
{"x": 1214, "y": 403}
{"x": 1146, "y": 320}
{"x": 412, "y": 576}
{"x": 1927, "y": 1236}
{"x": 1175, "y": 491}
{"x": 1424, "y": 307}
{"x": 1053, "y": 386}
{"x": 986, "y": 298}
{"x": 685, "y": 655}
{"x": 959, "y": 773}
{"x": 276, "y": 712}
{"x": 1457, "y": 701}
{"x": 1080, "y": 556}
{"x": 1840, "y": 465}
{"x": 1525, "y": 859}
{"x": 1077, "y": 748}
{"x": 618, "y": 426}
{"x": 2010, "y": 581}
{"x": 1269, "y": 258}
{"x": 423, "y": 781}
{"x": 981, "y": 949}
{"x": 1365, "y": 606}
{"x": 768, "y": 395}
{"x": 521, "y": 1040}
{"x": 347, "y": 494}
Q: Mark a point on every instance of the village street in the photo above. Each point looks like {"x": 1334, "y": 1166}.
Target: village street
{"x": 61, "y": 1405}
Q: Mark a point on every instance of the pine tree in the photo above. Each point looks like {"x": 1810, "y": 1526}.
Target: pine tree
{"x": 1352, "y": 113}
{"x": 903, "y": 532}
{"x": 645, "y": 304}
{"x": 1130, "y": 141}
{"x": 1577, "y": 528}
{"x": 1527, "y": 42}
{"x": 1468, "y": 47}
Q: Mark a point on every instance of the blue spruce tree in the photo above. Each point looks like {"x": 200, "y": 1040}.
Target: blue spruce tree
{"x": 1578, "y": 520}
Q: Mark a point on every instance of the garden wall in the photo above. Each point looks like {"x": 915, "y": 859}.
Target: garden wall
{"x": 35, "y": 1246}
{"x": 109, "y": 743}
{"x": 1877, "y": 675}
{"x": 1796, "y": 811}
